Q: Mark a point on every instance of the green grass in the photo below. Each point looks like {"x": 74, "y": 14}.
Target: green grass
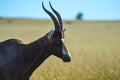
{"x": 94, "y": 46}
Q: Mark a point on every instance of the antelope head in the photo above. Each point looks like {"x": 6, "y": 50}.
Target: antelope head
{"x": 56, "y": 45}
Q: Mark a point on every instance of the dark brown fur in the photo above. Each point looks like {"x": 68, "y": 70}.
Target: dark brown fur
{"x": 18, "y": 60}
{"x": 28, "y": 58}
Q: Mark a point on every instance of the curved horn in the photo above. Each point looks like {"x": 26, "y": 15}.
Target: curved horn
{"x": 58, "y": 16}
{"x": 52, "y": 17}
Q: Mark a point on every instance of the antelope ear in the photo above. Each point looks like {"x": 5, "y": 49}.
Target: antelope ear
{"x": 50, "y": 33}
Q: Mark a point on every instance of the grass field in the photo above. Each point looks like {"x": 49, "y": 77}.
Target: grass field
{"x": 94, "y": 46}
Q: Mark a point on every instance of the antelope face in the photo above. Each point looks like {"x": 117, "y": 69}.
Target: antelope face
{"x": 56, "y": 44}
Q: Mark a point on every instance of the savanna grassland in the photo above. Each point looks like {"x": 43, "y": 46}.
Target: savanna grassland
{"x": 94, "y": 47}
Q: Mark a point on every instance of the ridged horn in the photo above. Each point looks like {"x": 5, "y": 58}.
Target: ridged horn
{"x": 52, "y": 17}
{"x": 58, "y": 16}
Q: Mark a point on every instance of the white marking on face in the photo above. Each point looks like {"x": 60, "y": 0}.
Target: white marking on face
{"x": 64, "y": 49}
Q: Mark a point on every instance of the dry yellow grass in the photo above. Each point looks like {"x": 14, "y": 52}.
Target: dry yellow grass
{"x": 94, "y": 46}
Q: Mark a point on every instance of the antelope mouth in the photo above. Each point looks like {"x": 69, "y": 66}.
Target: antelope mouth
{"x": 66, "y": 58}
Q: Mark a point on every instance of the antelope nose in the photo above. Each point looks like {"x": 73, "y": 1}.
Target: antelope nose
{"x": 66, "y": 58}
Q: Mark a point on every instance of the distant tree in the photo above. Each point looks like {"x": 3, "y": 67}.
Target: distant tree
{"x": 79, "y": 16}
{"x": 0, "y": 17}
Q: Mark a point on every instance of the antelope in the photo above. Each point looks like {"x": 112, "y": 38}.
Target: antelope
{"x": 18, "y": 60}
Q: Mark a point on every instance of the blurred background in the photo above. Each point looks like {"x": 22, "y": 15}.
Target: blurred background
{"x": 69, "y": 9}
{"x": 92, "y": 36}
